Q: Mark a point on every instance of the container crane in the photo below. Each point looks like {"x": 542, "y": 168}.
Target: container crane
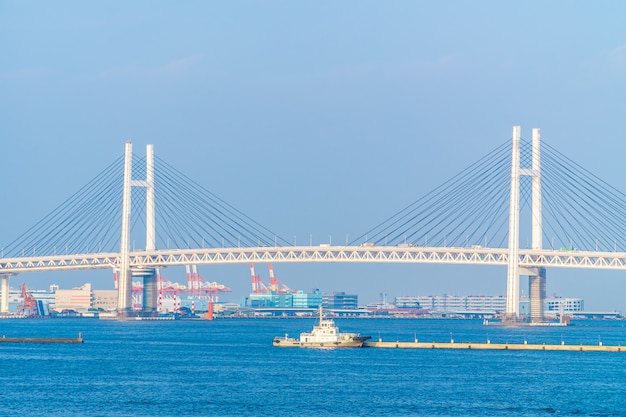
{"x": 198, "y": 287}
{"x": 258, "y": 286}
{"x": 277, "y": 286}
{"x": 29, "y": 306}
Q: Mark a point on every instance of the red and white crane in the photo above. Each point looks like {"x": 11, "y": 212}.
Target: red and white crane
{"x": 29, "y": 304}
{"x": 258, "y": 286}
{"x": 198, "y": 287}
{"x": 277, "y": 286}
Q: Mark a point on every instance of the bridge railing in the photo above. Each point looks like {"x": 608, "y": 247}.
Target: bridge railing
{"x": 318, "y": 254}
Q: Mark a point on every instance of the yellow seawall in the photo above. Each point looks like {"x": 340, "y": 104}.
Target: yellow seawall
{"x": 493, "y": 346}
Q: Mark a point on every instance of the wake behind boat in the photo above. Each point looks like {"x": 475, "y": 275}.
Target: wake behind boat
{"x": 323, "y": 335}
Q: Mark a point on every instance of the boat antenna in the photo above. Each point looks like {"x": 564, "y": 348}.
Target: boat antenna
{"x": 320, "y": 314}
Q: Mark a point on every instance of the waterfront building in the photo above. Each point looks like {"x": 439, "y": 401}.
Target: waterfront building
{"x": 299, "y": 299}
{"x": 410, "y": 301}
{"x": 563, "y": 306}
{"x": 77, "y": 299}
{"x": 43, "y": 298}
{"x": 555, "y": 306}
{"x": 302, "y": 299}
{"x": 486, "y": 303}
{"x": 261, "y": 299}
{"x": 340, "y": 301}
{"x": 105, "y": 300}
{"x": 447, "y": 303}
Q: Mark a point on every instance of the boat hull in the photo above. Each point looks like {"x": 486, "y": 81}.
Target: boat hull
{"x": 356, "y": 342}
{"x": 324, "y": 335}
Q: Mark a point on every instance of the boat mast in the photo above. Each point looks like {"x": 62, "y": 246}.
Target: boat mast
{"x": 320, "y": 315}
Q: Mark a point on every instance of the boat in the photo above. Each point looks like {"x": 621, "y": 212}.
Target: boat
{"x": 324, "y": 335}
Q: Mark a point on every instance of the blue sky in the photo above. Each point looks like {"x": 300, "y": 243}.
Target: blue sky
{"x": 315, "y": 118}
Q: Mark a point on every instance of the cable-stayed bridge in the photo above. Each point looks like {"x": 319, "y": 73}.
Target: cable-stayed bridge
{"x": 520, "y": 206}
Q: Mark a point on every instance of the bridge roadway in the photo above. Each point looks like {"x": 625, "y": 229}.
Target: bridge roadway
{"x": 324, "y": 253}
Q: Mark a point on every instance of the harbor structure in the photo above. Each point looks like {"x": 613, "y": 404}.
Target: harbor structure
{"x": 552, "y": 306}
{"x": 76, "y": 299}
{"x": 447, "y": 303}
{"x": 278, "y": 295}
{"x": 340, "y": 300}
{"x": 494, "y": 346}
{"x": 104, "y": 300}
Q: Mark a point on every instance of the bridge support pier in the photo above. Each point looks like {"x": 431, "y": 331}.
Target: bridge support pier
{"x": 150, "y": 292}
{"x": 537, "y": 293}
{"x": 4, "y": 298}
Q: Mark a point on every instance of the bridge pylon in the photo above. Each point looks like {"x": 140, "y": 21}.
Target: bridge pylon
{"x": 4, "y": 297}
{"x": 537, "y": 276}
{"x": 124, "y": 299}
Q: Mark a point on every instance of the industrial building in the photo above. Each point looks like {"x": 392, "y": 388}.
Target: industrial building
{"x": 555, "y": 306}
{"x": 28, "y": 302}
{"x": 307, "y": 300}
{"x": 340, "y": 301}
{"x": 277, "y": 295}
{"x": 104, "y": 300}
{"x": 77, "y": 299}
{"x": 446, "y": 303}
{"x": 453, "y": 303}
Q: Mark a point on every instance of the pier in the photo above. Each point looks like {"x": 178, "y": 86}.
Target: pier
{"x": 492, "y": 346}
{"x": 78, "y": 339}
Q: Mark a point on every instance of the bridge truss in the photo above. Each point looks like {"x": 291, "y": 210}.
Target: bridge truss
{"x": 528, "y": 258}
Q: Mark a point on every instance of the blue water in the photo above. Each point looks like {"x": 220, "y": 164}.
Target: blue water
{"x": 230, "y": 368}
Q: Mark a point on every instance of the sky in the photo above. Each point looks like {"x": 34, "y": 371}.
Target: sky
{"x": 316, "y": 119}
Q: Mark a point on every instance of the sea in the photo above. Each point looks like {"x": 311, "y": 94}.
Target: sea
{"x": 228, "y": 367}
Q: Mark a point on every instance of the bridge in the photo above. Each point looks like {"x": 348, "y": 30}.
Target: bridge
{"x": 464, "y": 221}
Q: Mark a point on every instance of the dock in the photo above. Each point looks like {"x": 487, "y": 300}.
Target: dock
{"x": 78, "y": 339}
{"x": 493, "y": 346}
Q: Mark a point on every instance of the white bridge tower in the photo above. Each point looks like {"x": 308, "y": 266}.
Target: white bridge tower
{"x": 124, "y": 296}
{"x": 537, "y": 276}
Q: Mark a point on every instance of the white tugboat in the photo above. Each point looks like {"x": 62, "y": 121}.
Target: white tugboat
{"x": 323, "y": 335}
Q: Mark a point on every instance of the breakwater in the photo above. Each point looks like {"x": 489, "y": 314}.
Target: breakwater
{"x": 493, "y": 346}
{"x": 78, "y": 339}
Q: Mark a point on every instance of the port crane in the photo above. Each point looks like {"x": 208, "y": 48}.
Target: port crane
{"x": 258, "y": 286}
{"x": 275, "y": 286}
{"x": 197, "y": 288}
{"x": 29, "y": 305}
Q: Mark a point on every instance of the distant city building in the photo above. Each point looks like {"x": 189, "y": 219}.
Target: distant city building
{"x": 555, "y": 305}
{"x": 44, "y": 299}
{"x": 76, "y": 299}
{"x": 105, "y": 300}
{"x": 340, "y": 301}
{"x": 497, "y": 303}
{"x": 283, "y": 300}
{"x": 261, "y": 299}
{"x": 307, "y": 300}
{"x": 299, "y": 299}
{"x": 453, "y": 303}
{"x": 409, "y": 301}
